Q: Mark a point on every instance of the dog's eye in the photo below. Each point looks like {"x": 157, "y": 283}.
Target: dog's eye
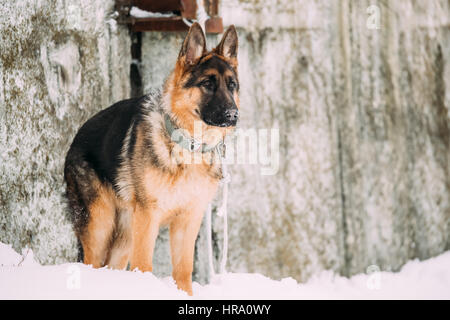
{"x": 232, "y": 85}
{"x": 207, "y": 84}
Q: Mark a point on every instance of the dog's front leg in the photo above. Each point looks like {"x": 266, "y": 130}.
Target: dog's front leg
{"x": 145, "y": 231}
{"x": 183, "y": 233}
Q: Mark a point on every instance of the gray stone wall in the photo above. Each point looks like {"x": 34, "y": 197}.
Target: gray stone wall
{"x": 60, "y": 63}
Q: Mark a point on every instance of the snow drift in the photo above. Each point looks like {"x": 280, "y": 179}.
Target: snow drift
{"x": 21, "y": 277}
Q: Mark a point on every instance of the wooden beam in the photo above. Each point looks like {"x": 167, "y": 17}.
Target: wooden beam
{"x": 158, "y": 24}
{"x": 187, "y": 9}
{"x": 158, "y": 5}
{"x": 214, "y": 25}
{"x": 212, "y": 7}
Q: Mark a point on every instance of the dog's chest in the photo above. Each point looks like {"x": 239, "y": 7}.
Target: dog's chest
{"x": 190, "y": 190}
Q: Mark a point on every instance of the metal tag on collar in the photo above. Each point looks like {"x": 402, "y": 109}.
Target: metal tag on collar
{"x": 194, "y": 145}
{"x": 222, "y": 149}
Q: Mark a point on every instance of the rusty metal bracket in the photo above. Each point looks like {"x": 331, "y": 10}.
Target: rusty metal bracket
{"x": 178, "y": 9}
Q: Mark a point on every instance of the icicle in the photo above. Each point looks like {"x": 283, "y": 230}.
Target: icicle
{"x": 209, "y": 236}
{"x": 223, "y": 212}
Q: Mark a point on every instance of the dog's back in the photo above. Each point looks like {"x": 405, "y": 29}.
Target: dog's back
{"x": 94, "y": 156}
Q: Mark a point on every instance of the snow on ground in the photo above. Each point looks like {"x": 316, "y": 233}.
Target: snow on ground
{"x": 23, "y": 278}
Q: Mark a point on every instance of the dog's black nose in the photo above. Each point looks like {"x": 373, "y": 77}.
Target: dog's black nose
{"x": 232, "y": 114}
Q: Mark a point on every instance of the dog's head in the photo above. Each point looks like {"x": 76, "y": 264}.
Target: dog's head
{"x": 204, "y": 85}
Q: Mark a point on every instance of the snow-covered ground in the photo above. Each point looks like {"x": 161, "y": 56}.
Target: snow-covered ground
{"x": 22, "y": 277}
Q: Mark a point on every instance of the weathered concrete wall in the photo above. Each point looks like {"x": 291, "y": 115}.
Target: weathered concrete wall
{"x": 365, "y": 156}
{"x": 394, "y": 133}
{"x": 60, "y": 62}
{"x": 363, "y": 116}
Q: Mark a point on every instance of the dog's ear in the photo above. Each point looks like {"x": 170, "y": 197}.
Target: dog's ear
{"x": 194, "y": 45}
{"x": 228, "y": 46}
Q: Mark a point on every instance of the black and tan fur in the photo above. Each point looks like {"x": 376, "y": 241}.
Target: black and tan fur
{"x": 123, "y": 185}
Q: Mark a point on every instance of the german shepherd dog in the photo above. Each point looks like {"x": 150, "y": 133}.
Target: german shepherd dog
{"x": 122, "y": 182}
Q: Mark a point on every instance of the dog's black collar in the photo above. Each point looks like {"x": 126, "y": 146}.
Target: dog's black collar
{"x": 188, "y": 143}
